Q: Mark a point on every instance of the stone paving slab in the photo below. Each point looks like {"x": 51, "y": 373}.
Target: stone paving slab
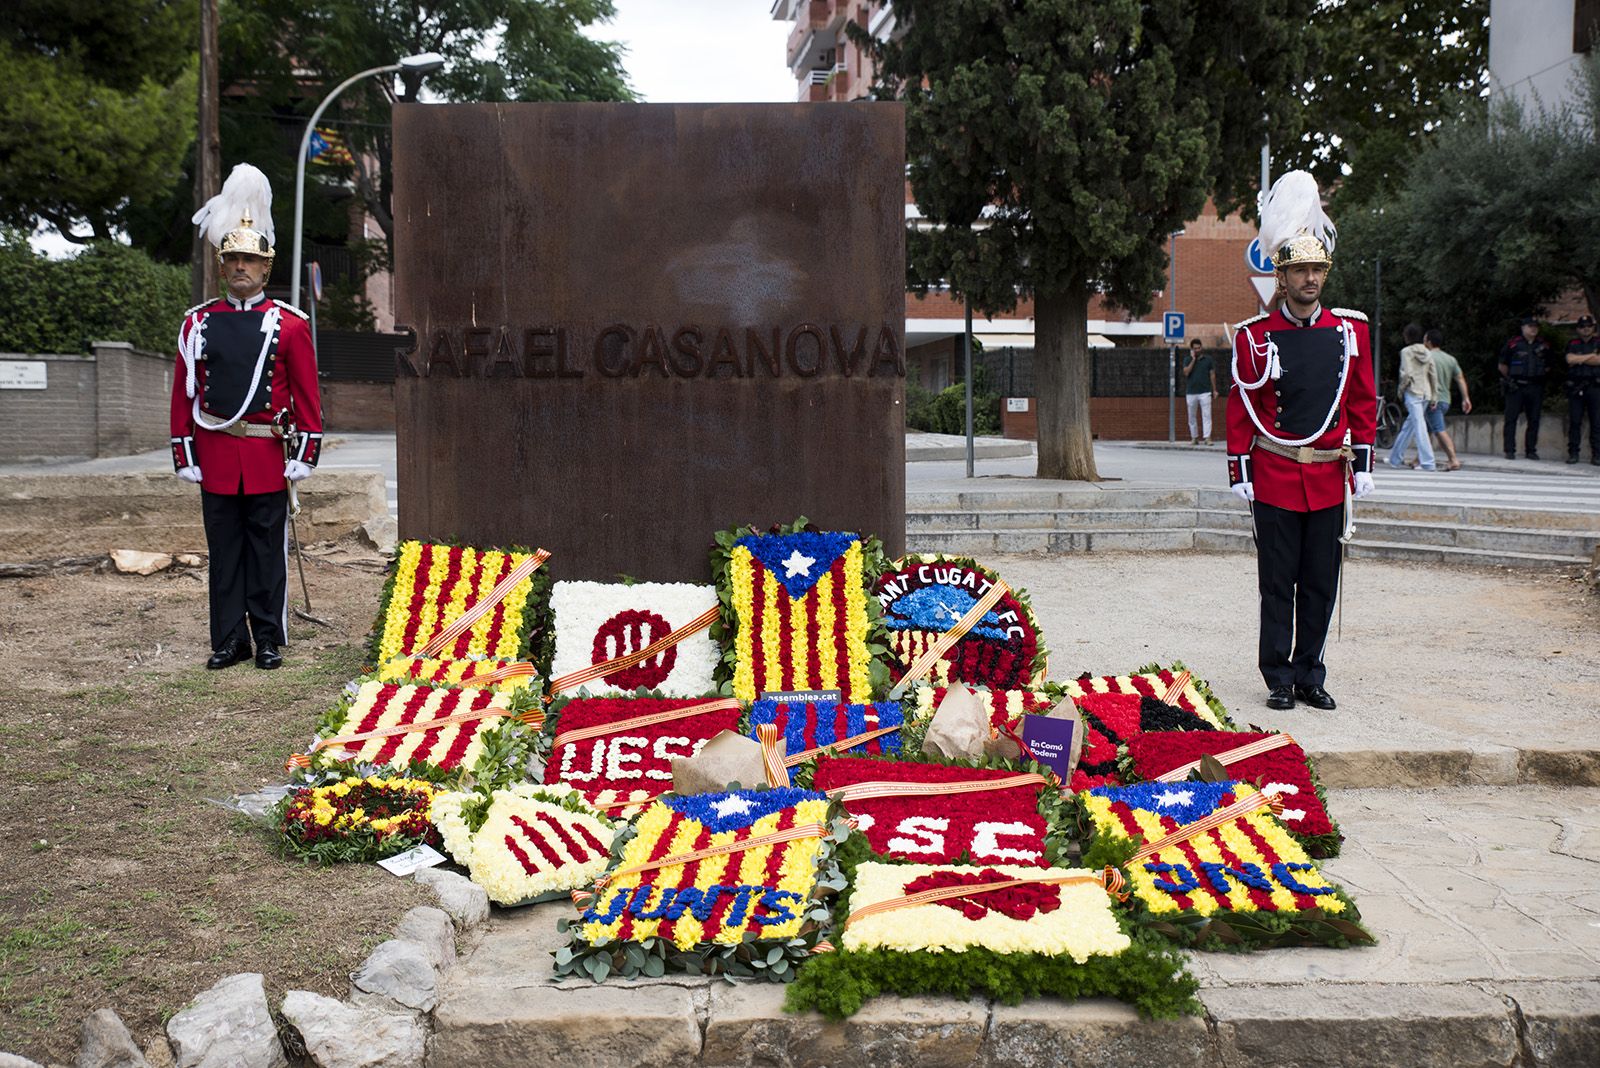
{"x": 1486, "y": 904}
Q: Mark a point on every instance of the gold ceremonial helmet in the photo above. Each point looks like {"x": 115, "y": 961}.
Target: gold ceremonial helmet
{"x": 1302, "y": 248}
{"x": 247, "y": 239}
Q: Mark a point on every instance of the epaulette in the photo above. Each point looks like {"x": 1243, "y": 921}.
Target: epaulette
{"x": 291, "y": 309}
{"x": 1253, "y": 319}
{"x": 197, "y": 307}
{"x": 1349, "y": 313}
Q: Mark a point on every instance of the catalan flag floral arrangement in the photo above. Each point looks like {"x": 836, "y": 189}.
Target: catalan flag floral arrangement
{"x": 811, "y": 727}
{"x": 435, "y": 585}
{"x": 1273, "y": 763}
{"x": 358, "y": 818}
{"x": 722, "y": 883}
{"x": 796, "y": 612}
{"x": 600, "y": 622}
{"x": 443, "y": 733}
{"x": 1003, "y": 931}
{"x": 923, "y": 597}
{"x": 525, "y": 843}
{"x": 468, "y": 674}
{"x": 1173, "y": 685}
{"x": 1210, "y": 866}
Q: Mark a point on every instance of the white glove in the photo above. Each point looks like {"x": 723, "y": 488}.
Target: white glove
{"x": 1245, "y": 491}
{"x": 190, "y": 473}
{"x": 294, "y": 471}
{"x": 1363, "y": 484}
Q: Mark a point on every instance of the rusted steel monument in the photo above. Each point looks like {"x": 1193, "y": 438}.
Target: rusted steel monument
{"x": 638, "y": 324}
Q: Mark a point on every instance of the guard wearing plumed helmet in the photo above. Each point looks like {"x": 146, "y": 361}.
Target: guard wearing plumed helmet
{"x": 246, "y": 424}
{"x": 1302, "y": 416}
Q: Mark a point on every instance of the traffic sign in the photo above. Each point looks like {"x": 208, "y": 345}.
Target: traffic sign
{"x": 1258, "y": 260}
{"x": 1266, "y": 287}
{"x": 1172, "y": 327}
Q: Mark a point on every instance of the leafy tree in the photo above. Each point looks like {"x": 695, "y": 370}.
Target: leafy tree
{"x": 1386, "y": 74}
{"x": 1077, "y": 134}
{"x": 1497, "y": 217}
{"x": 98, "y": 110}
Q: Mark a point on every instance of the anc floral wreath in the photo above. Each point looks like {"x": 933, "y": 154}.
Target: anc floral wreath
{"x": 921, "y": 597}
{"x": 828, "y": 635}
{"x": 357, "y": 818}
{"x": 432, "y": 583}
{"x": 1245, "y": 883}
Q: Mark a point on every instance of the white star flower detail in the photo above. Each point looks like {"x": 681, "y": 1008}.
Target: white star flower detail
{"x": 732, "y": 805}
{"x": 798, "y": 565}
{"x": 1175, "y": 797}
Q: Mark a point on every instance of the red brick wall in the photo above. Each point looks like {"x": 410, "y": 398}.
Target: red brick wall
{"x": 357, "y": 406}
{"x": 1121, "y": 419}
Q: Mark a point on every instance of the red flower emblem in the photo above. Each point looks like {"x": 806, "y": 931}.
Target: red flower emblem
{"x": 628, "y": 632}
{"x": 1017, "y": 902}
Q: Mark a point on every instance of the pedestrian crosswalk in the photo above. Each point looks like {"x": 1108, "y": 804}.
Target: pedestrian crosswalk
{"x": 1543, "y": 486}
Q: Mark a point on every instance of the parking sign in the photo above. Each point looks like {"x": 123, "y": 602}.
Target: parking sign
{"x": 1172, "y": 327}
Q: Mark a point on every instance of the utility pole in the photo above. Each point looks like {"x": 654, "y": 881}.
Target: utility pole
{"x": 1172, "y": 350}
{"x": 207, "y": 154}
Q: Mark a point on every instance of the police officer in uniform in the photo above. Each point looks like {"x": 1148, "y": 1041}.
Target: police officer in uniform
{"x": 1583, "y": 390}
{"x": 246, "y": 422}
{"x": 1524, "y": 361}
{"x": 1300, "y": 433}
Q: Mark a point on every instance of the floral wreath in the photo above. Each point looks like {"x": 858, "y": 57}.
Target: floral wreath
{"x": 922, "y": 596}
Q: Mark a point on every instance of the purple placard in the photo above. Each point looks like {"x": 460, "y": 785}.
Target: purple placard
{"x": 1050, "y": 742}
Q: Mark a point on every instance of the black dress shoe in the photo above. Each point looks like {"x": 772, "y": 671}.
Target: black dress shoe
{"x": 1281, "y": 698}
{"x": 1511, "y": 456}
{"x": 1316, "y": 697}
{"x": 1532, "y": 456}
{"x": 233, "y": 651}
{"x": 267, "y": 656}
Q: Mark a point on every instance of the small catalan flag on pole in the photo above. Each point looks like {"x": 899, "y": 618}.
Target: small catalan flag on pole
{"x": 327, "y": 147}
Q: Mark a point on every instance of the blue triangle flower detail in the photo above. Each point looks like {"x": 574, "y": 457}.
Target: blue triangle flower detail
{"x": 798, "y": 560}
{"x": 739, "y": 808}
{"x": 1183, "y": 801}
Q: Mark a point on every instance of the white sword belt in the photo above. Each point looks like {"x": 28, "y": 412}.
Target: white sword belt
{"x": 1304, "y": 454}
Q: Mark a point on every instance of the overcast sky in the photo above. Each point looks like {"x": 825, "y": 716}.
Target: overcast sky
{"x": 692, "y": 51}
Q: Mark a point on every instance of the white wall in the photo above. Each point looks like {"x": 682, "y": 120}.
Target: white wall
{"x": 1530, "y": 51}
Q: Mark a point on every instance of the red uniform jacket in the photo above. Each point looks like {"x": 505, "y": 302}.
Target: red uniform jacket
{"x": 231, "y": 464}
{"x": 1284, "y": 407}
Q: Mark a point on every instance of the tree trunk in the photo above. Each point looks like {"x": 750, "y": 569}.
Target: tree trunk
{"x": 1061, "y": 379}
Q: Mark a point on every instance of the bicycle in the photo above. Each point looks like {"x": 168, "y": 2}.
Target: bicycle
{"x": 1391, "y": 417}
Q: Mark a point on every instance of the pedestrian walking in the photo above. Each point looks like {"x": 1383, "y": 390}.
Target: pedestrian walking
{"x": 246, "y": 421}
{"x": 1416, "y": 392}
{"x": 1583, "y": 390}
{"x": 1446, "y": 371}
{"x": 1524, "y": 362}
{"x": 1300, "y": 437}
{"x": 1200, "y": 377}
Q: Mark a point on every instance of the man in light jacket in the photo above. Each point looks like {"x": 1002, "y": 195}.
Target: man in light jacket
{"x": 1416, "y": 390}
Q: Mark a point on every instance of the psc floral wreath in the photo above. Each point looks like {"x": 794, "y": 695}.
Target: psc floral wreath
{"x": 434, "y": 585}
{"x": 356, "y": 819}
{"x": 796, "y": 614}
{"x": 718, "y": 883}
{"x": 524, "y": 844}
{"x": 1209, "y": 866}
{"x": 924, "y": 597}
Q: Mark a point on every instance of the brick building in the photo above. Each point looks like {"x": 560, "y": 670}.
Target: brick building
{"x": 1211, "y": 273}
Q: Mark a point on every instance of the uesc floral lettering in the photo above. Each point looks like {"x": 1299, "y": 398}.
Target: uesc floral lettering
{"x": 630, "y": 759}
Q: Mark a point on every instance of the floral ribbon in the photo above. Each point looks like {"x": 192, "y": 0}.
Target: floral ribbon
{"x": 1180, "y": 682}
{"x": 479, "y": 608}
{"x": 932, "y": 654}
{"x": 1110, "y": 880}
{"x": 772, "y": 761}
{"x": 788, "y": 834}
{"x": 1253, "y": 803}
{"x": 519, "y": 669}
{"x": 841, "y": 744}
{"x": 861, "y": 791}
{"x": 1230, "y": 756}
{"x": 639, "y": 656}
{"x": 583, "y": 734}
{"x": 532, "y": 717}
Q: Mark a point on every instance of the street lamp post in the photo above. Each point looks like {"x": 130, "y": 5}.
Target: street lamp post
{"x": 424, "y": 63}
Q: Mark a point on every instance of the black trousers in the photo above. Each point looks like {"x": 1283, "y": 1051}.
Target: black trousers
{"x": 1297, "y": 564}
{"x": 247, "y": 535}
{"x": 1525, "y": 399}
{"x": 1583, "y": 399}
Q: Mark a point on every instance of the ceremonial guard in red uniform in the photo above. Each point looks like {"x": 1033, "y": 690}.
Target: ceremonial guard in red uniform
{"x": 1301, "y": 423}
{"x": 246, "y": 422}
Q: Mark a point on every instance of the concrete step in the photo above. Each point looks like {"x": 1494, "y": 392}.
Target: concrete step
{"x": 1048, "y": 540}
{"x": 1375, "y": 548}
{"x": 1076, "y": 519}
{"x": 1483, "y": 515}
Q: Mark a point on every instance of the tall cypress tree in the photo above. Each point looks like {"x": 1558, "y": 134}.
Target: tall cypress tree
{"x": 1058, "y": 142}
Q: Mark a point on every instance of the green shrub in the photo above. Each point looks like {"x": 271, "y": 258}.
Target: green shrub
{"x": 108, "y": 292}
{"x": 945, "y": 412}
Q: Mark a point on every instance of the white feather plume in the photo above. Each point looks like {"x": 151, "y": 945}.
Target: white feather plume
{"x": 1294, "y": 206}
{"x": 246, "y": 193}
